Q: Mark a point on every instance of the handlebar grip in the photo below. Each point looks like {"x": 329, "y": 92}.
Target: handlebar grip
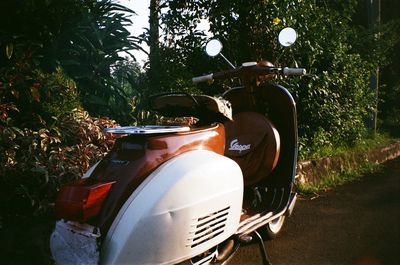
{"x": 203, "y": 78}
{"x": 294, "y": 71}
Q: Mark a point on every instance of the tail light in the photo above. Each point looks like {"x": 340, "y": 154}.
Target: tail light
{"x": 81, "y": 202}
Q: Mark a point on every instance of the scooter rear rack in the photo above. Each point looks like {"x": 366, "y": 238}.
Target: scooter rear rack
{"x": 148, "y": 129}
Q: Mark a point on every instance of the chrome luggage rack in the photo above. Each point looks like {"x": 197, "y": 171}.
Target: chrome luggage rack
{"x": 147, "y": 129}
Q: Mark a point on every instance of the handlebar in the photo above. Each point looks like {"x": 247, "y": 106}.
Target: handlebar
{"x": 203, "y": 78}
{"x": 293, "y": 71}
{"x": 249, "y": 70}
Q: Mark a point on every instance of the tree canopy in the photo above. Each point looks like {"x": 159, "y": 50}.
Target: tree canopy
{"x": 335, "y": 102}
{"x": 84, "y": 38}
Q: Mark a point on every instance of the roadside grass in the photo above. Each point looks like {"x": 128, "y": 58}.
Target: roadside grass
{"x": 336, "y": 179}
{"x": 347, "y": 174}
{"x": 369, "y": 142}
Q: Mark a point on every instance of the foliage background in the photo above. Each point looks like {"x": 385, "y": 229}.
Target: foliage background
{"x": 335, "y": 45}
{"x": 62, "y": 80}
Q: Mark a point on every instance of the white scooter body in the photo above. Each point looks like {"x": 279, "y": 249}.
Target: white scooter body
{"x": 188, "y": 205}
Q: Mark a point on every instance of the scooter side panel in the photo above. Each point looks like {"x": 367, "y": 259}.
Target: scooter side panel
{"x": 188, "y": 205}
{"x": 133, "y": 158}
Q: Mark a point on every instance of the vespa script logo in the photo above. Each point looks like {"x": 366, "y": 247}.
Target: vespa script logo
{"x": 235, "y": 146}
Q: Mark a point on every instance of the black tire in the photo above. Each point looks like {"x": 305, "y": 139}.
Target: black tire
{"x": 274, "y": 228}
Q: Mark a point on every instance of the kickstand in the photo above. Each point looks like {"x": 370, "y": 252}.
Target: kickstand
{"x": 261, "y": 246}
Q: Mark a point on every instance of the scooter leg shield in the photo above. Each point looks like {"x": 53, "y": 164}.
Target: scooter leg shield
{"x": 188, "y": 205}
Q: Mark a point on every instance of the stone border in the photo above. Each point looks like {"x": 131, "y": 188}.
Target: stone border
{"x": 314, "y": 171}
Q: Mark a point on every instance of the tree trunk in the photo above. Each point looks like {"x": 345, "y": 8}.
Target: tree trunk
{"x": 244, "y": 32}
{"x": 154, "y": 44}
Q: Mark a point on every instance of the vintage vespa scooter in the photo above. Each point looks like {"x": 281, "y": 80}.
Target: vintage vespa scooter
{"x": 189, "y": 194}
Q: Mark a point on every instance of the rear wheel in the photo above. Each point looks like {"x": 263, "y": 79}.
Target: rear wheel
{"x": 273, "y": 228}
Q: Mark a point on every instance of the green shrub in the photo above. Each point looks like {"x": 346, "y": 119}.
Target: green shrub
{"x": 59, "y": 93}
{"x": 35, "y": 162}
{"x": 35, "y": 94}
{"x": 46, "y": 140}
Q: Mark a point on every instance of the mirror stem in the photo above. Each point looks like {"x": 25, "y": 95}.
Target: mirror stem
{"x": 234, "y": 67}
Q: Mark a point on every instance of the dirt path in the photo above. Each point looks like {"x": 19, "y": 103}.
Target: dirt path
{"x": 357, "y": 223}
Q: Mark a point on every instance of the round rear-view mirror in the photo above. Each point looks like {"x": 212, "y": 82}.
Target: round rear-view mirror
{"x": 213, "y": 47}
{"x": 287, "y": 37}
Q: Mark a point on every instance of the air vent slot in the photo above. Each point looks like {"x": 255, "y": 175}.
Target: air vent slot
{"x": 208, "y": 227}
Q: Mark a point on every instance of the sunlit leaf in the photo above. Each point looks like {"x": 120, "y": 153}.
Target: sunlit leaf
{"x": 9, "y": 50}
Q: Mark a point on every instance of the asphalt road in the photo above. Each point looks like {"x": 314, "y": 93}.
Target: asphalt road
{"x": 357, "y": 223}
